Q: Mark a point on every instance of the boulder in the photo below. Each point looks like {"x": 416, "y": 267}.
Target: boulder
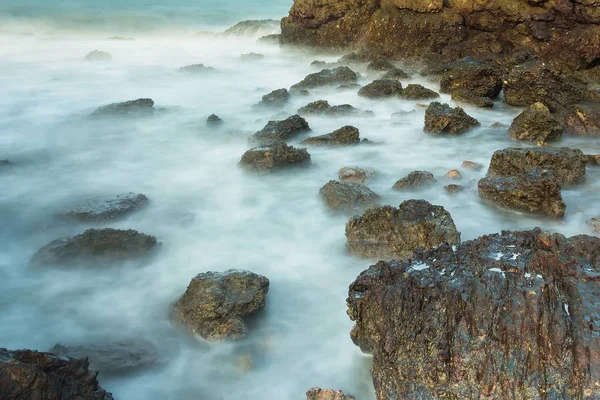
{"x": 535, "y": 192}
{"x": 441, "y": 119}
{"x": 472, "y": 165}
{"x": 581, "y": 120}
{"x": 327, "y": 394}
{"x": 566, "y": 164}
{"x": 283, "y": 130}
{"x": 214, "y": 120}
{"x": 415, "y": 180}
{"x": 475, "y": 78}
{"x": 27, "y": 374}
{"x": 98, "y": 56}
{"x": 453, "y": 174}
{"x": 253, "y": 28}
{"x": 453, "y": 189}
{"x": 535, "y": 124}
{"x": 274, "y": 157}
{"x": 316, "y": 107}
{"x": 108, "y": 209}
{"x": 418, "y": 92}
{"x": 215, "y": 303}
{"x": 327, "y": 77}
{"x": 355, "y": 175}
{"x": 383, "y": 88}
{"x": 345, "y": 136}
{"x": 380, "y": 64}
{"x": 348, "y": 198}
{"x": 510, "y": 315}
{"x": 196, "y": 69}
{"x": 110, "y": 245}
{"x": 464, "y": 96}
{"x": 395, "y": 73}
{"x": 127, "y": 108}
{"x": 322, "y": 107}
{"x": 389, "y": 232}
{"x": 276, "y": 99}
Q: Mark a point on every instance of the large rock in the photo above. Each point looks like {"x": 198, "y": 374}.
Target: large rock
{"x": 327, "y": 77}
{"x": 215, "y": 303}
{"x": 107, "y": 209}
{"x": 98, "y": 56}
{"x": 441, "y": 119}
{"x": 276, "y": 99}
{"x": 348, "y": 198}
{"x": 535, "y": 124}
{"x": 27, "y": 374}
{"x": 322, "y": 107}
{"x": 131, "y": 107}
{"x": 464, "y": 96}
{"x": 111, "y": 245}
{"x": 415, "y": 180}
{"x": 327, "y": 394}
{"x": 567, "y": 165}
{"x": 580, "y": 120}
{"x": 418, "y": 92}
{"x": 476, "y": 78}
{"x": 389, "y": 232}
{"x": 345, "y": 136}
{"x": 511, "y": 315}
{"x": 273, "y": 157}
{"x": 535, "y": 192}
{"x": 276, "y": 131}
{"x": 382, "y": 88}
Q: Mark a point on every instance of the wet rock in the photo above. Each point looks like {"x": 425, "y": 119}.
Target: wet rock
{"x": 327, "y": 394}
{"x": 283, "y": 130}
{"x": 395, "y": 73}
{"x": 581, "y": 120}
{"x": 535, "y": 192}
{"x": 464, "y": 96}
{"x": 336, "y": 76}
{"x": 380, "y": 64}
{"x": 382, "y": 88}
{"x": 253, "y": 28}
{"x": 113, "y": 357}
{"x": 127, "y": 108}
{"x": 475, "y": 78}
{"x": 453, "y": 174}
{"x": 566, "y": 164}
{"x": 349, "y": 86}
{"x": 389, "y": 232}
{"x": 276, "y": 99}
{"x": 214, "y": 120}
{"x": 322, "y": 107}
{"x": 472, "y": 165}
{"x": 458, "y": 324}
{"x": 274, "y": 157}
{"x": 348, "y": 198}
{"x": 594, "y": 223}
{"x": 418, "y": 92}
{"x": 316, "y": 107}
{"x": 535, "y": 124}
{"x": 102, "y": 245}
{"x": 27, "y": 374}
{"x": 215, "y": 303}
{"x": 109, "y": 208}
{"x": 273, "y": 39}
{"x": 415, "y": 180}
{"x": 98, "y": 56}
{"x": 196, "y": 69}
{"x": 322, "y": 64}
{"x": 593, "y": 159}
{"x": 252, "y": 57}
{"x": 345, "y": 136}
{"x": 498, "y": 125}
{"x": 441, "y": 119}
{"x": 453, "y": 189}
{"x": 354, "y": 175}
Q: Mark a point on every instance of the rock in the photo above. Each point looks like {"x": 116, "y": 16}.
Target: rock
{"x": 453, "y": 174}
{"x": 381, "y": 89}
{"x": 336, "y": 76}
{"x": 593, "y": 159}
{"x": 323, "y": 64}
{"x": 273, "y": 157}
{"x": 269, "y": 39}
{"x": 98, "y": 56}
{"x": 453, "y": 189}
{"x": 316, "y": 107}
{"x": 345, "y": 136}
{"x": 5, "y": 163}
{"x": 355, "y": 175}
{"x": 327, "y": 394}
{"x": 581, "y": 120}
{"x": 418, "y": 92}
{"x": 27, "y": 374}
{"x": 113, "y": 357}
{"x": 102, "y": 245}
{"x": 415, "y": 180}
{"x": 380, "y": 64}
{"x": 464, "y": 324}
{"x": 127, "y": 108}
{"x": 252, "y": 57}
{"x": 535, "y": 124}
{"x": 389, "y": 232}
{"x": 594, "y": 223}
{"x": 566, "y": 164}
{"x": 348, "y": 198}
{"x": 324, "y": 108}
{"x": 498, "y": 125}
{"x": 283, "y": 130}
{"x": 475, "y": 78}
{"x": 253, "y": 28}
{"x": 276, "y": 99}
{"x": 214, "y": 120}
{"x": 196, "y": 69}
{"x": 349, "y": 86}
{"x": 395, "y": 73}
{"x": 473, "y": 166}
{"x": 345, "y": 110}
{"x": 535, "y": 192}
{"x": 441, "y": 119}
{"x": 215, "y": 303}
{"x": 108, "y": 209}
{"x": 464, "y": 96}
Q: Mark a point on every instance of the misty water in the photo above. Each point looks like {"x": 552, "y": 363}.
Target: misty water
{"x": 208, "y": 214}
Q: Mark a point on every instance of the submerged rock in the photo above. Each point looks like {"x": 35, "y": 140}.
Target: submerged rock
{"x": 127, "y": 108}
{"x": 415, "y": 180}
{"x": 348, "y": 198}
{"x": 395, "y": 73}
{"x": 336, "y": 76}
{"x": 475, "y": 78}
{"x": 382, "y": 88}
{"x": 345, "y": 136}
{"x": 215, "y": 303}
{"x": 535, "y": 124}
{"x": 252, "y": 56}
{"x": 277, "y": 98}
{"x": 441, "y": 119}
{"x": 593, "y": 159}
{"x": 276, "y": 131}
{"x": 109, "y": 208}
{"x": 464, "y": 96}
{"x": 274, "y": 157}
{"x": 389, "y": 232}
{"x": 214, "y": 120}
{"x": 98, "y": 55}
{"x": 111, "y": 245}
{"x": 253, "y": 28}
{"x": 453, "y": 189}
{"x": 196, "y": 69}
{"x": 269, "y": 39}
{"x": 5, "y": 163}
{"x": 27, "y": 374}
{"x": 418, "y": 92}
{"x": 354, "y": 175}
{"x": 327, "y": 394}
{"x": 453, "y": 174}
{"x": 581, "y": 120}
{"x": 472, "y": 165}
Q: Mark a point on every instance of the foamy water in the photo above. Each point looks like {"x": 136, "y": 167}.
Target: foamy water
{"x": 210, "y": 215}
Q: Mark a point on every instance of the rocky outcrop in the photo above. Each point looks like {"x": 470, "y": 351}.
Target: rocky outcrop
{"x": 322, "y": 107}
{"x": 280, "y": 131}
{"x": 215, "y": 303}
{"x": 510, "y": 315}
{"x": 27, "y": 374}
{"x": 276, "y": 99}
{"x": 418, "y": 92}
{"x": 383, "y": 88}
{"x": 327, "y": 77}
{"x": 345, "y": 136}
{"x": 273, "y": 157}
{"x": 441, "y": 119}
{"x": 196, "y": 69}
{"x": 253, "y": 28}
{"x": 389, "y": 232}
{"x": 327, "y": 394}
{"x": 127, "y": 108}
{"x": 108, "y": 209}
{"x": 475, "y": 78}
{"x": 415, "y": 180}
{"x": 580, "y": 120}
{"x": 395, "y": 73}
{"x": 464, "y": 96}
{"x": 98, "y": 56}
{"x": 535, "y": 124}
{"x": 214, "y": 120}
{"x": 348, "y": 198}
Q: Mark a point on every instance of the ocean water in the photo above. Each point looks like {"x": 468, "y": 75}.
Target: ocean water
{"x": 209, "y": 215}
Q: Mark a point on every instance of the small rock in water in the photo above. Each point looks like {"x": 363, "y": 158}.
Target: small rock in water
{"x": 349, "y": 86}
{"x": 395, "y": 73}
{"x": 324, "y": 108}
{"x": 283, "y": 130}
{"x": 464, "y": 96}
{"x": 336, "y": 76}
{"x": 347, "y": 135}
{"x": 441, "y": 119}
{"x": 327, "y": 394}
{"x": 276, "y": 99}
{"x": 418, "y": 92}
{"x": 252, "y": 57}
{"x": 348, "y": 198}
{"x": 498, "y": 125}
{"x": 380, "y": 64}
{"x": 453, "y": 174}
{"x": 593, "y": 159}
{"x": 415, "y": 180}
{"x": 535, "y": 124}
{"x": 473, "y": 166}
{"x": 214, "y": 120}
{"x": 355, "y": 175}
{"x": 253, "y": 28}
{"x": 453, "y": 189}
{"x": 274, "y": 157}
{"x": 97, "y": 55}
{"x": 196, "y": 69}
{"x": 594, "y": 223}
{"x": 109, "y": 208}
{"x": 5, "y": 163}
{"x": 127, "y": 108}
{"x": 380, "y": 89}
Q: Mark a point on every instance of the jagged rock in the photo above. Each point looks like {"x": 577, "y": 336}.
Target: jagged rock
{"x": 327, "y": 394}
{"x": 464, "y": 96}
{"x": 274, "y": 157}
{"x": 97, "y": 55}
{"x": 252, "y": 56}
{"x": 510, "y": 315}
{"x": 535, "y": 192}
{"x": 27, "y": 374}
{"x": 111, "y": 245}
{"x": 535, "y": 124}
{"x": 382, "y": 88}
{"x": 253, "y": 28}
{"x": 415, "y": 180}
{"x": 473, "y": 166}
{"x": 453, "y": 189}
{"x": 593, "y": 159}
{"x": 355, "y": 175}
{"x": 389, "y": 232}
{"x": 277, "y": 98}
{"x": 131, "y": 107}
{"x": 348, "y": 198}
{"x": 109, "y": 208}
{"x": 346, "y": 135}
{"x": 215, "y": 303}
{"x": 475, "y": 78}
{"x": 581, "y": 120}
{"x": 380, "y": 64}
{"x": 441, "y": 119}
{"x": 453, "y": 174}
{"x": 336, "y": 76}
{"x": 418, "y": 92}
{"x": 269, "y": 39}
{"x": 316, "y": 107}
{"x": 283, "y": 130}
{"x": 196, "y": 69}
{"x": 395, "y": 73}
{"x": 566, "y": 164}
{"x": 214, "y": 120}
{"x": 324, "y": 108}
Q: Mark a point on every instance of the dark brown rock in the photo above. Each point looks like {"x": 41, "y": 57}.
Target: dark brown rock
{"x": 280, "y": 131}
{"x": 593, "y": 159}
{"x": 535, "y": 124}
{"x": 473, "y": 166}
{"x": 336, "y": 76}
{"x": 380, "y": 64}
{"x": 274, "y": 157}
{"x": 355, "y": 175}
{"x": 327, "y": 394}
{"x": 348, "y": 198}
{"x": 464, "y": 96}
{"x": 475, "y": 78}
{"x": 418, "y": 92}
{"x": 322, "y": 107}
{"x": 107, "y": 209}
{"x": 415, "y": 180}
{"x": 129, "y": 108}
{"x": 441, "y": 119}
{"x": 453, "y": 189}
{"x": 581, "y": 120}
{"x": 276, "y": 99}
{"x": 345, "y": 136}
{"x": 383, "y": 88}
{"x": 395, "y": 73}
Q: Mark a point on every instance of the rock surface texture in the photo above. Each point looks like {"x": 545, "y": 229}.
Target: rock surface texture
{"x": 348, "y": 198}
{"x": 273, "y": 157}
